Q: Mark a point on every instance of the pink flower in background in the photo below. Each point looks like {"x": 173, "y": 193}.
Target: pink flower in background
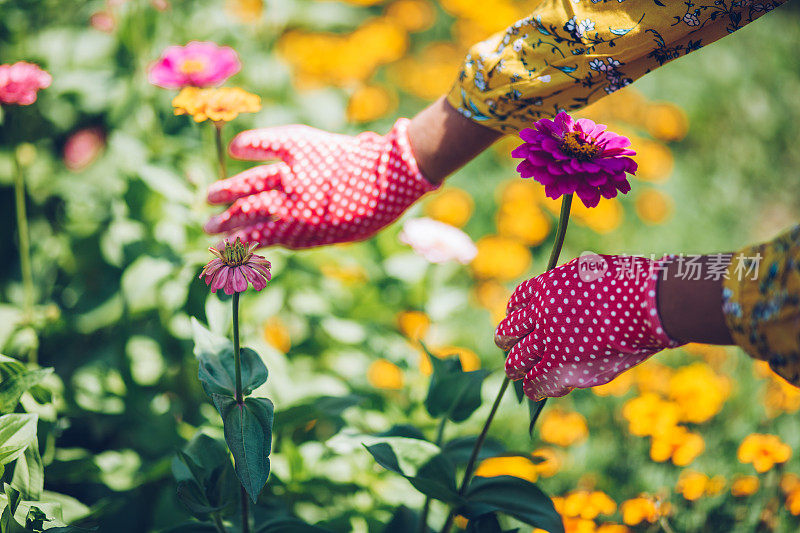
{"x": 83, "y": 147}
{"x": 234, "y": 266}
{"x": 576, "y": 156}
{"x": 198, "y": 64}
{"x": 20, "y": 82}
{"x": 438, "y": 242}
{"x": 103, "y": 21}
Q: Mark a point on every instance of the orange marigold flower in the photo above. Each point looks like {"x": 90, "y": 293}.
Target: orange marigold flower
{"x": 383, "y": 374}
{"x": 616, "y": 387}
{"x": 217, "y": 104}
{"x": 413, "y": 324}
{"x": 638, "y": 510}
{"x": 793, "y": 501}
{"x": 500, "y": 258}
{"x": 578, "y": 525}
{"x": 763, "y": 451}
{"x": 550, "y": 461}
{"x": 563, "y": 428}
{"x": 611, "y": 527}
{"x": 698, "y": 391}
{"x": 648, "y": 414}
{"x": 744, "y": 486}
{"x": 692, "y": 485}
{"x": 588, "y": 504}
{"x": 677, "y": 443}
{"x": 452, "y": 206}
{"x": 277, "y": 334}
{"x": 789, "y": 481}
{"x": 515, "y": 465}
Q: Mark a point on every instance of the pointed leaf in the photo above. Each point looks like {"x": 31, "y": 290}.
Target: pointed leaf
{"x": 29, "y": 472}
{"x": 515, "y": 497}
{"x": 16, "y": 432}
{"x": 452, "y": 392}
{"x": 403, "y": 521}
{"x": 12, "y": 388}
{"x": 248, "y": 432}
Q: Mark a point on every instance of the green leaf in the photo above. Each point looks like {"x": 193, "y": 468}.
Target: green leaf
{"x": 35, "y": 519}
{"x": 12, "y": 388}
{"x": 288, "y": 524}
{"x": 248, "y": 432}
{"x": 206, "y": 479}
{"x": 452, "y": 392}
{"x": 435, "y": 478}
{"x": 7, "y": 522}
{"x": 217, "y": 371}
{"x": 16, "y": 432}
{"x": 403, "y": 521}
{"x": 191, "y": 527}
{"x": 512, "y": 496}
{"x": 460, "y": 449}
{"x": 535, "y": 409}
{"x": 29, "y": 472}
{"x": 320, "y": 407}
{"x": 485, "y": 524}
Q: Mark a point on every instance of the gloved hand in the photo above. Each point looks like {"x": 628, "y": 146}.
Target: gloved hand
{"x": 327, "y": 189}
{"x": 581, "y": 327}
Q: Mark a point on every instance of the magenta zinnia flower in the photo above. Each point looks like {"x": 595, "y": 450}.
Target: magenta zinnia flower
{"x": 234, "y": 267}
{"x": 576, "y": 156}
{"x": 20, "y": 82}
{"x": 198, "y": 64}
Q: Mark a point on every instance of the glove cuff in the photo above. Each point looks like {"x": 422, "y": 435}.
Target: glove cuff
{"x": 402, "y": 159}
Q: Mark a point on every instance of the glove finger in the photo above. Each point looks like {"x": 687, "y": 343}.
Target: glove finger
{"x": 521, "y": 296}
{"x": 269, "y": 143}
{"x": 251, "y": 181}
{"x": 523, "y": 356}
{"x": 541, "y": 382}
{"x": 515, "y": 326}
{"x": 247, "y": 211}
{"x": 287, "y": 232}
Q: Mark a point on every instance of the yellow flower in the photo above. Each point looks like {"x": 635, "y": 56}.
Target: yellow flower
{"x": 655, "y": 161}
{"x": 461, "y": 522}
{"x": 247, "y": 11}
{"x": 469, "y": 359}
{"x": 744, "y": 486}
{"x": 452, "y": 206}
{"x": 642, "y": 509}
{"x": 789, "y": 482}
{"x": 616, "y": 387}
{"x": 692, "y": 484}
{"x": 500, "y": 258}
{"x": 217, "y": 104}
{"x": 678, "y": 444}
{"x": 604, "y": 218}
{"x": 563, "y": 428}
{"x": 550, "y": 461}
{"x": 429, "y": 75}
{"x": 667, "y": 122}
{"x": 277, "y": 334}
{"x": 715, "y": 485}
{"x": 763, "y": 451}
{"x": 652, "y": 376}
{"x": 610, "y": 527}
{"x": 413, "y": 324}
{"x": 648, "y": 414}
{"x": 526, "y": 223}
{"x": 579, "y": 525}
{"x": 383, "y": 374}
{"x": 516, "y": 466}
{"x": 698, "y": 391}
{"x": 494, "y": 297}
{"x": 713, "y": 355}
{"x": 588, "y": 504}
{"x": 653, "y": 207}
{"x": 370, "y": 102}
{"x": 349, "y": 275}
{"x": 793, "y": 501}
{"x": 779, "y": 395}
{"x": 413, "y": 15}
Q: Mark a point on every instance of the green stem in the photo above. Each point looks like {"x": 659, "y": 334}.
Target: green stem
{"x": 237, "y": 362}
{"x": 423, "y": 519}
{"x": 218, "y": 523}
{"x": 223, "y": 172}
{"x": 24, "y": 247}
{"x": 563, "y": 220}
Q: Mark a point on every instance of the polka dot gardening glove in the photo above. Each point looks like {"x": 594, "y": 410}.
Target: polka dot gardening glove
{"x": 327, "y": 189}
{"x": 582, "y": 324}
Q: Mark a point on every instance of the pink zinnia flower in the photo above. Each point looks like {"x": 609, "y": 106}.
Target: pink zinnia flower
{"x": 20, "y": 82}
{"x": 576, "y": 156}
{"x": 198, "y": 64}
{"x": 235, "y": 266}
{"x": 438, "y": 242}
{"x": 83, "y": 147}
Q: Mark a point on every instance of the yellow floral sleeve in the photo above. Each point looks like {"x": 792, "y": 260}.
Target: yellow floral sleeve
{"x": 761, "y": 302}
{"x": 569, "y": 53}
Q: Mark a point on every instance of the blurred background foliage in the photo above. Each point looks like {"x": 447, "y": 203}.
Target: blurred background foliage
{"x": 116, "y": 202}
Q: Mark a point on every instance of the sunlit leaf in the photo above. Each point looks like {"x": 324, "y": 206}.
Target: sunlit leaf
{"x": 17, "y": 431}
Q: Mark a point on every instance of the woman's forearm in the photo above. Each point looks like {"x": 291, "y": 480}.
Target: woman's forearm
{"x": 691, "y": 309}
{"x": 443, "y": 140}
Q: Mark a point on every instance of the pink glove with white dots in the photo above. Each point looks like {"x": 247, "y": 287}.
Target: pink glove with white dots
{"x": 327, "y": 189}
{"x": 582, "y": 324}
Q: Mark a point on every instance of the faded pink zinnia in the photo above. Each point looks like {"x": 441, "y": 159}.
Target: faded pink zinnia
{"x": 198, "y": 64}
{"x": 235, "y": 266}
{"x": 20, "y": 82}
{"x": 576, "y": 156}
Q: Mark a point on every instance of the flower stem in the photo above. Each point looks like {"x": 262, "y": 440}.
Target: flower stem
{"x": 423, "y": 519}
{"x": 223, "y": 171}
{"x": 218, "y": 523}
{"x": 561, "y": 231}
{"x": 24, "y": 247}
{"x": 239, "y": 400}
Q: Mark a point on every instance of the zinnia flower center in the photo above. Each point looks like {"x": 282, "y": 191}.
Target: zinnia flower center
{"x": 192, "y": 66}
{"x": 236, "y": 254}
{"x": 579, "y": 145}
